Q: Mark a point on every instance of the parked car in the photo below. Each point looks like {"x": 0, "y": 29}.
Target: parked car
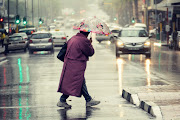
{"x": 17, "y": 43}
{"x": 59, "y": 38}
{"x": 171, "y": 41}
{"x": 133, "y": 41}
{"x": 41, "y": 41}
{"x": 153, "y": 32}
{"x": 28, "y": 31}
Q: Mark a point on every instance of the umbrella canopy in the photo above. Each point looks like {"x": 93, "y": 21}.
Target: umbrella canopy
{"x": 94, "y": 25}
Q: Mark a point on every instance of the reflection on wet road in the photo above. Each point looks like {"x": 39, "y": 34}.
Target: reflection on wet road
{"x": 29, "y": 84}
{"x": 161, "y": 69}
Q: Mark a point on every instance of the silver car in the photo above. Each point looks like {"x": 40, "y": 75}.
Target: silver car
{"x": 59, "y": 38}
{"x": 17, "y": 43}
{"x": 23, "y": 35}
{"x": 102, "y": 37}
{"x": 41, "y": 41}
{"x": 133, "y": 41}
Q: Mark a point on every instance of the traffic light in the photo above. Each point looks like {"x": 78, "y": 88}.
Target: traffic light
{"x": 24, "y": 21}
{"x": 133, "y": 20}
{"x": 115, "y": 18}
{"x": 17, "y": 19}
{"x": 40, "y": 21}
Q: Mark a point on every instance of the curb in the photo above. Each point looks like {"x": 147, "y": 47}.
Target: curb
{"x": 149, "y": 107}
{"x": 132, "y": 98}
{"x": 2, "y": 59}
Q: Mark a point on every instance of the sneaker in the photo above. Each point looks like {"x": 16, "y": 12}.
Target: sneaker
{"x": 92, "y": 103}
{"x": 63, "y": 104}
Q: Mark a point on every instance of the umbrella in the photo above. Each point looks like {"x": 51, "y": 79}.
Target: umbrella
{"x": 94, "y": 25}
{"x": 99, "y": 26}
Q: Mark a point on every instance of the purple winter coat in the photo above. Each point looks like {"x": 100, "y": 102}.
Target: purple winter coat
{"x": 79, "y": 49}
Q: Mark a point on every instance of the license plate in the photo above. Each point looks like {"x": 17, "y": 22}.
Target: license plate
{"x": 40, "y": 47}
{"x": 133, "y": 48}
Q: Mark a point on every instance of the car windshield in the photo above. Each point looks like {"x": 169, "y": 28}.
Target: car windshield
{"x": 15, "y": 38}
{"x": 58, "y": 34}
{"x": 115, "y": 31}
{"x": 133, "y": 33}
{"x": 41, "y": 36}
{"x": 28, "y": 32}
{"x": 19, "y": 34}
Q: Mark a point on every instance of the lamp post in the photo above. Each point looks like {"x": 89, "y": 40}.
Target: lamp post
{"x": 8, "y": 16}
{"x": 32, "y": 13}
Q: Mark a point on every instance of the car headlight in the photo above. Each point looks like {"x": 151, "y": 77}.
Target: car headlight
{"x": 120, "y": 43}
{"x": 147, "y": 43}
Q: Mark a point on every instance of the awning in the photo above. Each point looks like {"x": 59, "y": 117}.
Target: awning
{"x": 164, "y": 4}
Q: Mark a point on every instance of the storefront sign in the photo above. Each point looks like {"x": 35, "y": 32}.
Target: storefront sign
{"x": 170, "y": 12}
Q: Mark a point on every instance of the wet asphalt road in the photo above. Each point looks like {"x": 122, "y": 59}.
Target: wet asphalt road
{"x": 28, "y": 84}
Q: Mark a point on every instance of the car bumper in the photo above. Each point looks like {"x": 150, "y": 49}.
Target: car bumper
{"x": 16, "y": 47}
{"x": 133, "y": 50}
{"x": 40, "y": 47}
{"x": 59, "y": 44}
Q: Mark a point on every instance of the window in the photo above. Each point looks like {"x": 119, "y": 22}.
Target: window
{"x": 133, "y": 33}
{"x": 41, "y": 36}
{"x": 15, "y": 38}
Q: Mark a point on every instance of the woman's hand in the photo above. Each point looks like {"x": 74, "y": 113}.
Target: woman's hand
{"x": 90, "y": 40}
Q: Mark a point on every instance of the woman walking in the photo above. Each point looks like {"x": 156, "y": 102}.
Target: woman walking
{"x": 72, "y": 81}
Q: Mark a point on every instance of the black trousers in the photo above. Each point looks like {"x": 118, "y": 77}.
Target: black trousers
{"x": 84, "y": 92}
{"x": 6, "y": 49}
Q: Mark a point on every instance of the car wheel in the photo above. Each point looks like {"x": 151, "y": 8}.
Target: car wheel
{"x": 112, "y": 40}
{"x": 170, "y": 47}
{"x": 30, "y": 52}
{"x": 117, "y": 55}
{"x": 25, "y": 49}
{"x": 148, "y": 55}
{"x": 52, "y": 50}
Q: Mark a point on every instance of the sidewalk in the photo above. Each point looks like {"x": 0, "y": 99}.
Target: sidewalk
{"x": 163, "y": 43}
{"x": 1, "y": 49}
{"x": 2, "y": 56}
{"x": 161, "y": 101}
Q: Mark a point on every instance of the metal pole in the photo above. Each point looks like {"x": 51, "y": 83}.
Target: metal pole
{"x": 156, "y": 18}
{"x": 8, "y": 16}
{"x": 167, "y": 32}
{"x": 25, "y": 8}
{"x": 38, "y": 8}
{"x": 32, "y": 13}
{"x": 17, "y": 7}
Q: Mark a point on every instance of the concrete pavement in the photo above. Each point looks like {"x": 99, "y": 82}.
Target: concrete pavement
{"x": 161, "y": 101}
{"x": 1, "y": 49}
{"x": 2, "y": 57}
